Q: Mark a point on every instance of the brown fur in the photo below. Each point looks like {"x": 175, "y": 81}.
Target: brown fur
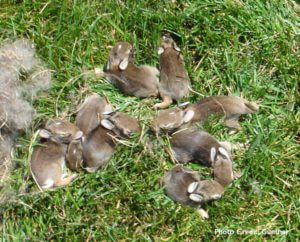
{"x": 140, "y": 81}
{"x": 177, "y": 181}
{"x": 193, "y": 145}
{"x": 174, "y": 80}
{"x": 97, "y": 148}
{"x": 99, "y": 144}
{"x": 222, "y": 169}
{"x": 74, "y": 155}
{"x": 231, "y": 107}
{"x": 169, "y": 120}
{"x": 48, "y": 159}
{"x": 93, "y": 107}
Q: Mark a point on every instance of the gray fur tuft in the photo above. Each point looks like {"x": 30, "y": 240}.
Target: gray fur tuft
{"x": 22, "y": 76}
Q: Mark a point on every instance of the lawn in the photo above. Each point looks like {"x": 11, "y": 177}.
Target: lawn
{"x": 245, "y": 48}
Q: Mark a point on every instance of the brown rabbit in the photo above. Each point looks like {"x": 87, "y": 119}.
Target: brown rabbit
{"x": 184, "y": 186}
{"x": 60, "y": 131}
{"x": 99, "y": 145}
{"x": 89, "y": 116}
{"x": 174, "y": 81}
{"x": 232, "y": 107}
{"x": 74, "y": 155}
{"x": 139, "y": 81}
{"x": 48, "y": 160}
{"x": 205, "y": 191}
{"x": 90, "y": 112}
{"x": 170, "y": 120}
{"x": 194, "y": 145}
{"x": 222, "y": 166}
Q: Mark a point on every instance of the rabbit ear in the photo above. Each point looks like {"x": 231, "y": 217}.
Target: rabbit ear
{"x": 109, "y": 113}
{"x": 176, "y": 47}
{"x": 192, "y": 187}
{"x": 108, "y": 65}
{"x": 213, "y": 153}
{"x": 45, "y": 133}
{"x": 160, "y": 50}
{"x": 123, "y": 64}
{"x": 216, "y": 196}
{"x": 107, "y": 124}
{"x": 196, "y": 197}
{"x": 188, "y": 115}
{"x": 224, "y": 153}
{"x": 190, "y": 171}
{"x": 78, "y": 135}
{"x": 183, "y": 104}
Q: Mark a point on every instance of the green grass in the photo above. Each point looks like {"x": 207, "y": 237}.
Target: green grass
{"x": 248, "y": 48}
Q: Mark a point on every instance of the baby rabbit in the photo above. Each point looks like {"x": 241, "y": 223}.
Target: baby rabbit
{"x": 195, "y": 145}
{"x": 48, "y": 160}
{"x": 222, "y": 166}
{"x": 90, "y": 112}
{"x": 205, "y": 191}
{"x": 132, "y": 80}
{"x": 232, "y": 107}
{"x": 99, "y": 144}
{"x": 74, "y": 155}
{"x": 174, "y": 81}
{"x": 60, "y": 131}
{"x": 170, "y": 120}
{"x": 89, "y": 115}
{"x": 184, "y": 186}
{"x": 223, "y": 176}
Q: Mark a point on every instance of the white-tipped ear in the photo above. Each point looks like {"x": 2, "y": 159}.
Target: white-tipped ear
{"x": 176, "y": 47}
{"x": 160, "y": 50}
{"x": 213, "y": 153}
{"x": 44, "y": 134}
{"x": 108, "y": 112}
{"x": 107, "y": 124}
{"x": 123, "y": 64}
{"x": 196, "y": 198}
{"x": 108, "y": 65}
{"x": 192, "y": 187}
{"x": 78, "y": 135}
{"x": 188, "y": 115}
{"x": 224, "y": 152}
{"x": 216, "y": 196}
{"x": 183, "y": 104}
{"x": 190, "y": 171}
